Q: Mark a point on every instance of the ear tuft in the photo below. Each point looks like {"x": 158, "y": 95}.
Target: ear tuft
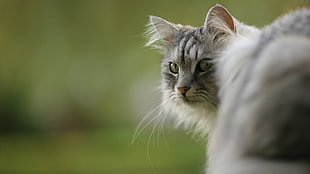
{"x": 160, "y": 30}
{"x": 220, "y": 20}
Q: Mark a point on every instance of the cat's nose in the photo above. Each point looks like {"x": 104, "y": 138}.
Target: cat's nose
{"x": 183, "y": 90}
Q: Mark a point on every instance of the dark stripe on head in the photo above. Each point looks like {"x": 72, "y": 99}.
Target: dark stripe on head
{"x": 191, "y": 46}
{"x": 186, "y": 39}
{"x": 196, "y": 54}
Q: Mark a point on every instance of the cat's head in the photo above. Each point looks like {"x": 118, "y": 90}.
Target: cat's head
{"x": 187, "y": 68}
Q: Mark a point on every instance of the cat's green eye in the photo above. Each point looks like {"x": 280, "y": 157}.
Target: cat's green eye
{"x": 205, "y": 65}
{"x": 174, "y": 68}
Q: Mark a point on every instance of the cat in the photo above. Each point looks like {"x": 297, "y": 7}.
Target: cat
{"x": 263, "y": 121}
{"x": 189, "y": 88}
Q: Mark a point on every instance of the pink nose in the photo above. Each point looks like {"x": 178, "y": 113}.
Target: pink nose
{"x": 183, "y": 90}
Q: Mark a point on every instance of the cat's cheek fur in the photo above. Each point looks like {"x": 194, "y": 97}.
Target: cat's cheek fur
{"x": 169, "y": 81}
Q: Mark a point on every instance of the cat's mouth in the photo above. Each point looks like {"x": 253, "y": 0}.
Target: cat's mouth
{"x": 192, "y": 100}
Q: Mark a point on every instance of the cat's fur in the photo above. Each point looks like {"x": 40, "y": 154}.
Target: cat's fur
{"x": 263, "y": 124}
{"x": 191, "y": 94}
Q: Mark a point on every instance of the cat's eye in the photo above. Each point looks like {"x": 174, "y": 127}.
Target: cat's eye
{"x": 174, "y": 68}
{"x": 205, "y": 65}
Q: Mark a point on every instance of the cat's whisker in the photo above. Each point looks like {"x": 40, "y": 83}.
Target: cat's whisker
{"x": 204, "y": 94}
{"x": 156, "y": 128}
{"x": 205, "y": 97}
{"x": 160, "y": 131}
{"x": 155, "y": 125}
{"x": 162, "y": 128}
{"x": 152, "y": 135}
{"x": 148, "y": 151}
{"x": 144, "y": 123}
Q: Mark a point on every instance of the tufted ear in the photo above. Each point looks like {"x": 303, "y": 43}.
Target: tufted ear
{"x": 161, "y": 30}
{"x": 219, "y": 20}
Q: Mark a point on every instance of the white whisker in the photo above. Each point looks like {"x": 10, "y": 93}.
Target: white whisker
{"x": 144, "y": 123}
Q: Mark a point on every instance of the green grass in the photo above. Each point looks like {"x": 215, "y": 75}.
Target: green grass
{"x": 104, "y": 152}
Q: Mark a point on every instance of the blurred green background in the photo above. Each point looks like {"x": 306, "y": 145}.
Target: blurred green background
{"x": 75, "y": 81}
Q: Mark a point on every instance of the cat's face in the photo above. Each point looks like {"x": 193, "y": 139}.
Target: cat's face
{"x": 188, "y": 75}
{"x": 188, "y": 70}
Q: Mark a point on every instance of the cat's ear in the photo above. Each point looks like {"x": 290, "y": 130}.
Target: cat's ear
{"x": 219, "y": 21}
{"x": 161, "y": 30}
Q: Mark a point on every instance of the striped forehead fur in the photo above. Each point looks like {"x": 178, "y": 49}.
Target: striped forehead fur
{"x": 187, "y": 43}
{"x": 185, "y": 34}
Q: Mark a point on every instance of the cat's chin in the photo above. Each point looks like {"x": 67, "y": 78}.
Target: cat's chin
{"x": 195, "y": 116}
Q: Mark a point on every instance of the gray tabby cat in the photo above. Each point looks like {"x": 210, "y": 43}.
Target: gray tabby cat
{"x": 189, "y": 89}
{"x": 263, "y": 123}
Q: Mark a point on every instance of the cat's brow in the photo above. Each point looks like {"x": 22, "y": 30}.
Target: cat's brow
{"x": 187, "y": 43}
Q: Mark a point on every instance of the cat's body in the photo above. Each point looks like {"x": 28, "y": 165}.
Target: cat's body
{"x": 189, "y": 85}
{"x": 264, "y": 76}
{"x": 263, "y": 124}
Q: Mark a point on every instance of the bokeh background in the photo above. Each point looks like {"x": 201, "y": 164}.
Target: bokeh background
{"x": 75, "y": 81}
